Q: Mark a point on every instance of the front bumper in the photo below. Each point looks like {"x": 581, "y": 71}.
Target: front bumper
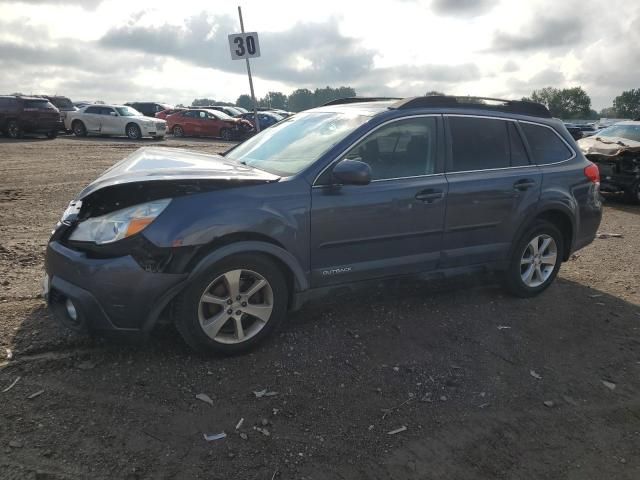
{"x": 108, "y": 294}
{"x": 153, "y": 130}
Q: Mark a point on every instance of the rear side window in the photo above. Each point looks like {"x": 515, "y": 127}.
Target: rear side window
{"x": 478, "y": 144}
{"x": 519, "y": 156}
{"x": 8, "y": 103}
{"x": 93, "y": 110}
{"x": 545, "y": 144}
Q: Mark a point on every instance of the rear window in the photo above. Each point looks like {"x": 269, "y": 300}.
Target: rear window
{"x": 478, "y": 144}
{"x": 62, "y": 103}
{"x": 546, "y": 146}
{"x": 37, "y": 105}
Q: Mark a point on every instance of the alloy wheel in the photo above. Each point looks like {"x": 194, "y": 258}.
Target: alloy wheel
{"x": 538, "y": 260}
{"x": 13, "y": 129}
{"x": 235, "y": 306}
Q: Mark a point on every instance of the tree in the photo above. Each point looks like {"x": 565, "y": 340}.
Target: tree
{"x": 201, "y": 102}
{"x": 301, "y": 99}
{"x": 627, "y": 104}
{"x": 245, "y": 101}
{"x": 564, "y": 103}
{"x": 609, "y": 112}
{"x": 277, "y": 100}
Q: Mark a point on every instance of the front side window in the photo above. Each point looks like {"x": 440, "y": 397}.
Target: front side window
{"x": 106, "y": 111}
{"x": 288, "y": 147}
{"x": 546, "y": 146}
{"x": 405, "y": 148}
{"x": 479, "y": 144}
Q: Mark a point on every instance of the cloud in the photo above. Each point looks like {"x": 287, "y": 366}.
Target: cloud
{"x": 322, "y": 53}
{"x": 470, "y": 8}
{"x": 86, "y": 4}
{"x": 510, "y": 66}
{"x": 541, "y": 33}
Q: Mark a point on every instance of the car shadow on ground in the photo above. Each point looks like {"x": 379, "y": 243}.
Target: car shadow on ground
{"x": 466, "y": 368}
{"x": 617, "y": 202}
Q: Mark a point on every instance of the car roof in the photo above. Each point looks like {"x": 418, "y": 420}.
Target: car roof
{"x": 442, "y": 104}
{"x": 626, "y": 122}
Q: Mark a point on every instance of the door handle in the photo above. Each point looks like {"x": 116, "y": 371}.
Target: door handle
{"x": 429, "y": 195}
{"x": 524, "y": 184}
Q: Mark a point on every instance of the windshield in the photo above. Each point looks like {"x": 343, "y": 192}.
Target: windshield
{"x": 62, "y": 103}
{"x": 128, "y": 112}
{"x": 288, "y": 147}
{"x": 219, "y": 114}
{"x": 632, "y": 132}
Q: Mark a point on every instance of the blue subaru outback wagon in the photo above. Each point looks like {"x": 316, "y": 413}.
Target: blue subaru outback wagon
{"x": 360, "y": 188}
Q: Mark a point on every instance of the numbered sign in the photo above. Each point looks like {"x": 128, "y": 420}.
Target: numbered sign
{"x": 244, "y": 45}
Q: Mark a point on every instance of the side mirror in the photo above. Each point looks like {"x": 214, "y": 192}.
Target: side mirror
{"x": 352, "y": 172}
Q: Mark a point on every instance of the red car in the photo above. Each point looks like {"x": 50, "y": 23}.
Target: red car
{"x": 165, "y": 113}
{"x": 208, "y": 123}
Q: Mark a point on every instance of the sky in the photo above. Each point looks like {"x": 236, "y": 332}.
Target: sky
{"x": 175, "y": 51}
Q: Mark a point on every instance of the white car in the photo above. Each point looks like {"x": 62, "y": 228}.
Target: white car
{"x": 114, "y": 120}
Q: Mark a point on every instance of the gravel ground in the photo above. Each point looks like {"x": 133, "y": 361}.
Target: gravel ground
{"x": 487, "y": 386}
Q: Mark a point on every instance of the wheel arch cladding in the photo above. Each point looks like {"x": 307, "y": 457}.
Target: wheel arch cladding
{"x": 234, "y": 244}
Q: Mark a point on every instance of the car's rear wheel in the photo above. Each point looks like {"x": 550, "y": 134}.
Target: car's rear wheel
{"x": 178, "y": 131}
{"x": 535, "y": 261}
{"x": 225, "y": 133}
{"x": 79, "y": 129}
{"x": 133, "y": 131}
{"x": 13, "y": 129}
{"x": 233, "y": 305}
{"x": 632, "y": 194}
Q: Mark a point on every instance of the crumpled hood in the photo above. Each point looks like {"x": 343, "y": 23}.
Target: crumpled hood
{"x": 153, "y": 164}
{"x": 607, "y": 146}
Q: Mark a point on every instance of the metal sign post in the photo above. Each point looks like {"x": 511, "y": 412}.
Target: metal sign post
{"x": 247, "y": 46}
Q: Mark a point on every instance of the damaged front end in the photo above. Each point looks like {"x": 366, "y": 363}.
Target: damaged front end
{"x": 103, "y": 271}
{"x": 618, "y": 160}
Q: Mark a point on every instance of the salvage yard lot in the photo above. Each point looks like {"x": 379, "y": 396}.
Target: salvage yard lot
{"x": 487, "y": 385}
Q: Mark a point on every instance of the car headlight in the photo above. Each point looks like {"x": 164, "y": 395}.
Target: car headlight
{"x": 120, "y": 224}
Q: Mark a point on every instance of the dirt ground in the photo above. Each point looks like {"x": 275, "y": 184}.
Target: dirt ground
{"x": 487, "y": 386}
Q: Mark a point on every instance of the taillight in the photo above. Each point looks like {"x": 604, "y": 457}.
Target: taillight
{"x": 592, "y": 173}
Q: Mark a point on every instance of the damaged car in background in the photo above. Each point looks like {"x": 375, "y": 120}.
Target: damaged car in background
{"x": 616, "y": 152}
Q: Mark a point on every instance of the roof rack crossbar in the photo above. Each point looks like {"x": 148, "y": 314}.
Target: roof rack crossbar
{"x": 522, "y": 107}
{"x": 346, "y": 100}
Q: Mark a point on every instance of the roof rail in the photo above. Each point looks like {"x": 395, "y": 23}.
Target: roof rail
{"x": 346, "y": 100}
{"x": 522, "y": 107}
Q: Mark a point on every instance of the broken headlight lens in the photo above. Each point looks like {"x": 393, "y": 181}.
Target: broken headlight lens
{"x": 120, "y": 224}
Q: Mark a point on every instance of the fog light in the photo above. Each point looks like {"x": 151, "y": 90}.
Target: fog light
{"x": 71, "y": 310}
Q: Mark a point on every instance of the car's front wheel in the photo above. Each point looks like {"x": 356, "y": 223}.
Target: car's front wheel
{"x": 79, "y": 129}
{"x": 225, "y": 133}
{"x": 13, "y": 129}
{"x": 535, "y": 261}
{"x": 233, "y": 305}
{"x": 133, "y": 131}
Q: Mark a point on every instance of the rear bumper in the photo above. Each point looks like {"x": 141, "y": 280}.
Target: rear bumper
{"x": 44, "y": 127}
{"x": 113, "y": 294}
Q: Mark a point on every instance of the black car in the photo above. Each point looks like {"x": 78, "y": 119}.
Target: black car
{"x": 574, "y": 130}
{"x": 356, "y": 190}
{"x": 149, "y": 109}
{"x": 20, "y": 115}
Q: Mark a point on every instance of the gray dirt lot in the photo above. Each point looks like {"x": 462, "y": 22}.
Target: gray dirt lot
{"x": 454, "y": 362}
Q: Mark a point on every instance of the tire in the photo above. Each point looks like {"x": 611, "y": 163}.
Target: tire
{"x": 632, "y": 194}
{"x": 53, "y": 134}
{"x": 225, "y": 134}
{"x": 79, "y": 130}
{"x": 178, "y": 131}
{"x": 13, "y": 129}
{"x": 133, "y": 131}
{"x": 192, "y": 313}
{"x": 524, "y": 279}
